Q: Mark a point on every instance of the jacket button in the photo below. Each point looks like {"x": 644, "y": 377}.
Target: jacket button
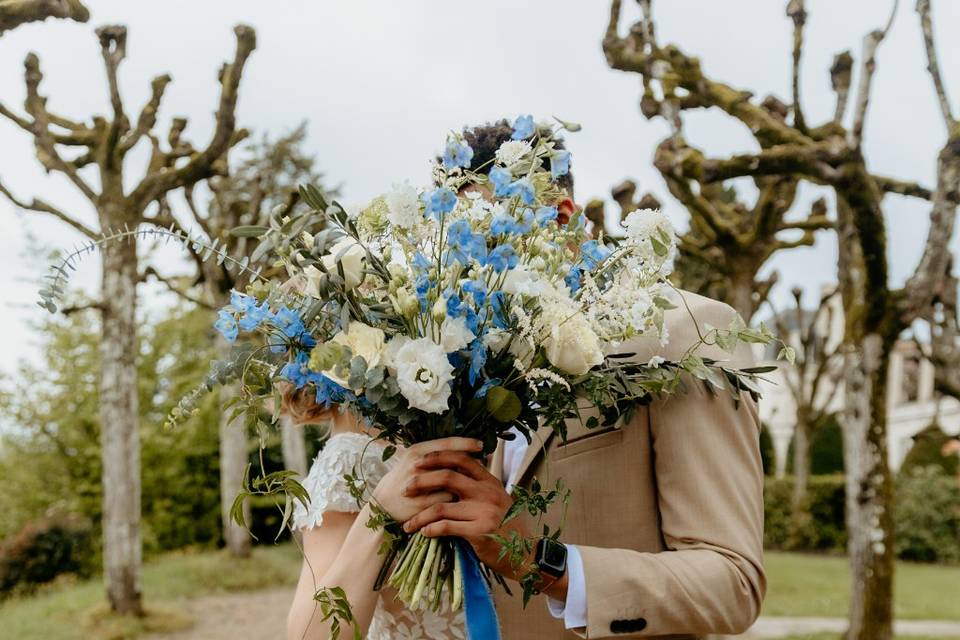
{"x": 628, "y": 626}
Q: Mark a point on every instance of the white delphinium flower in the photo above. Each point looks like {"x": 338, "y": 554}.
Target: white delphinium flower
{"x": 403, "y": 206}
{"x": 655, "y": 362}
{"x": 652, "y": 238}
{"x": 454, "y": 334}
{"x": 512, "y": 152}
{"x": 423, "y": 374}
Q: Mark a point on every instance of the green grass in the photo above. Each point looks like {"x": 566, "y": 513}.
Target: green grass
{"x": 76, "y": 612}
{"x": 815, "y": 585}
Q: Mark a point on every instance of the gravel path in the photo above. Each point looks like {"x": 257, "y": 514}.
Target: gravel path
{"x": 253, "y": 615}
{"x": 261, "y": 615}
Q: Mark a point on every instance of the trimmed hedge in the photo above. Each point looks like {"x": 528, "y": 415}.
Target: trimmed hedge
{"x": 927, "y": 516}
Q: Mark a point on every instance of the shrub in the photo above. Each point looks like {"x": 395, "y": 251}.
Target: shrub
{"x": 45, "y": 549}
{"x": 928, "y": 516}
{"x": 927, "y": 450}
{"x": 823, "y": 530}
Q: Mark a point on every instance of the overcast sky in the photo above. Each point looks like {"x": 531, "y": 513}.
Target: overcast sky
{"x": 381, "y": 83}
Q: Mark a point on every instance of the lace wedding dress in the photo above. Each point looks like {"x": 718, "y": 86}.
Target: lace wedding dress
{"x": 344, "y": 453}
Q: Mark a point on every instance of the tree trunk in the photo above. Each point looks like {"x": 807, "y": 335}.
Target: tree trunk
{"x": 869, "y": 487}
{"x": 119, "y": 430}
{"x": 293, "y": 446}
{"x": 801, "y": 465}
{"x": 741, "y": 295}
{"x": 233, "y": 462}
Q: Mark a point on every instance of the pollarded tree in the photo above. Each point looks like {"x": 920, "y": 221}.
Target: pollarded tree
{"x": 261, "y": 183}
{"x": 829, "y": 154}
{"x": 14, "y": 13}
{"x": 103, "y": 143}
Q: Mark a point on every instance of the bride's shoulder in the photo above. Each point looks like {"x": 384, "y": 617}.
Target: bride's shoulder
{"x": 343, "y": 453}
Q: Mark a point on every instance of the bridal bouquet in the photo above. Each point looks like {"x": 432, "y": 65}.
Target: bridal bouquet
{"x": 463, "y": 309}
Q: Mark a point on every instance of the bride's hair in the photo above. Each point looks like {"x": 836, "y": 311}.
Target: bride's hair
{"x": 302, "y": 406}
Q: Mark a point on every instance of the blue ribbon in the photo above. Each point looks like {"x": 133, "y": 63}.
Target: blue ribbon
{"x": 477, "y": 602}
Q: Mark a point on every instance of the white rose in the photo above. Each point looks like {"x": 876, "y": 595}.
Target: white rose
{"x": 362, "y": 340}
{"x": 351, "y": 257}
{"x": 573, "y": 346}
{"x": 423, "y": 374}
{"x": 403, "y": 206}
{"x": 455, "y": 335}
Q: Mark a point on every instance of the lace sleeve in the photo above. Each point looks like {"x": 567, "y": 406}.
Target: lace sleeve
{"x": 328, "y": 491}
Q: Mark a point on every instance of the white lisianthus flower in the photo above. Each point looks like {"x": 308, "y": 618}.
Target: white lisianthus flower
{"x": 403, "y": 206}
{"x": 390, "y": 352}
{"x": 424, "y": 374}
{"x": 495, "y": 340}
{"x": 405, "y": 303}
{"x": 512, "y": 151}
{"x": 573, "y": 346}
{"x": 454, "y": 334}
{"x": 351, "y": 255}
{"x": 362, "y": 340}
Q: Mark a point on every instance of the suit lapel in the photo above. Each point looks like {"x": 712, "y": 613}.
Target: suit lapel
{"x": 538, "y": 445}
{"x": 495, "y": 462}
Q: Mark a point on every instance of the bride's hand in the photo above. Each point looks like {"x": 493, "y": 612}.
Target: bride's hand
{"x": 391, "y": 492}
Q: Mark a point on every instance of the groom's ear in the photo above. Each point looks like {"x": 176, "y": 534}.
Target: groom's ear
{"x": 566, "y": 207}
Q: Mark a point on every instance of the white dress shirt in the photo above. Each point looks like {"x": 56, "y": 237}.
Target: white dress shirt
{"x": 574, "y": 610}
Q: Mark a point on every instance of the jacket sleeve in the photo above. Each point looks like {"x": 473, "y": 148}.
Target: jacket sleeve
{"x": 709, "y": 578}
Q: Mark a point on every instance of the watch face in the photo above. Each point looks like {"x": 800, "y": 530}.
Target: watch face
{"x": 552, "y": 557}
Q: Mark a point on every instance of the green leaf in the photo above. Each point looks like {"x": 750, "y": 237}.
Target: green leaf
{"x": 503, "y": 404}
{"x": 788, "y": 353}
{"x": 249, "y": 231}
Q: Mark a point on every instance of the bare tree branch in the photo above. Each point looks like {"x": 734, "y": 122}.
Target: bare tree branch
{"x": 201, "y": 165}
{"x": 44, "y": 207}
{"x": 148, "y": 115}
{"x": 871, "y": 42}
{"x": 933, "y": 66}
{"x": 797, "y": 13}
{"x": 175, "y": 287}
{"x": 14, "y": 13}
{"x": 902, "y": 187}
{"x": 840, "y": 74}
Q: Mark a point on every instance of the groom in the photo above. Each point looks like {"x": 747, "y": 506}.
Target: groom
{"x": 664, "y": 531}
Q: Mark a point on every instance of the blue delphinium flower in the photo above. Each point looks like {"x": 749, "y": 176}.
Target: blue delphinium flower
{"x": 500, "y": 179}
{"x": 478, "y": 357}
{"x": 523, "y": 188}
{"x": 439, "y": 201}
{"x": 254, "y": 316}
{"x": 525, "y": 224}
{"x": 241, "y": 301}
{"x": 502, "y": 258}
{"x": 297, "y": 371}
{"x": 593, "y": 253}
{"x": 226, "y": 324}
{"x": 457, "y": 154}
{"x": 560, "y": 163}
{"x": 421, "y": 261}
{"x": 421, "y": 288}
{"x": 463, "y": 245}
{"x": 502, "y": 224}
{"x": 572, "y": 279}
{"x": 523, "y": 127}
{"x": 477, "y": 289}
{"x": 329, "y": 392}
{"x": 545, "y": 215}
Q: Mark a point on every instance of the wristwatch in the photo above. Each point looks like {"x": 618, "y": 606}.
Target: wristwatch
{"x": 550, "y": 558}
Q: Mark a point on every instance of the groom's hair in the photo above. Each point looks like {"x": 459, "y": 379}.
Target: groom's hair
{"x": 485, "y": 139}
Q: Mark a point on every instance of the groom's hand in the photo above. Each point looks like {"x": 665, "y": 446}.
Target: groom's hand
{"x": 478, "y": 512}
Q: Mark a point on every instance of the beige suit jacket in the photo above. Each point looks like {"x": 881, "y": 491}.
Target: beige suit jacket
{"x": 666, "y": 511}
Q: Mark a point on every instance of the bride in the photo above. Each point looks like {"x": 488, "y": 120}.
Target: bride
{"x": 339, "y": 549}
